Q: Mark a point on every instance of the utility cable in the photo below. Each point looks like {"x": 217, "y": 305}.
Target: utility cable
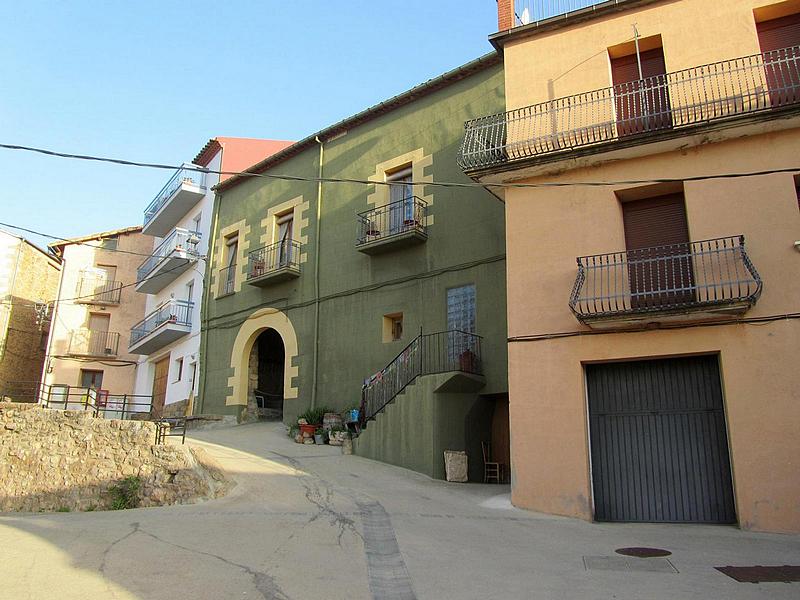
{"x": 61, "y": 239}
{"x": 463, "y": 184}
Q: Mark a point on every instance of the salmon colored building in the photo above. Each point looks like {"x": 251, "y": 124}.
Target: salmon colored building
{"x": 95, "y": 308}
{"x": 652, "y": 254}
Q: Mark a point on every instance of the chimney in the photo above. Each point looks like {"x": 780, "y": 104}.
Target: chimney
{"x": 505, "y": 15}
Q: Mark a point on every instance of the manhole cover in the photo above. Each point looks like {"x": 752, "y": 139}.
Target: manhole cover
{"x": 758, "y": 574}
{"x": 643, "y": 552}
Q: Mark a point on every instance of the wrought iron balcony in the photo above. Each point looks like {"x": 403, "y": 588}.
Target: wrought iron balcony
{"x": 636, "y": 112}
{"x": 703, "y": 279}
{"x": 174, "y": 255}
{"x": 273, "y": 263}
{"x": 184, "y": 189}
{"x": 534, "y": 11}
{"x": 95, "y": 343}
{"x": 96, "y": 289}
{"x": 167, "y": 323}
{"x": 394, "y": 225}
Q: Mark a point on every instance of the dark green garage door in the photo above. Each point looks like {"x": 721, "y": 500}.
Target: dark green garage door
{"x": 658, "y": 441}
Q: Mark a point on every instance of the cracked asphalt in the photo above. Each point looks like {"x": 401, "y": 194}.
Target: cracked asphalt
{"x": 307, "y": 522}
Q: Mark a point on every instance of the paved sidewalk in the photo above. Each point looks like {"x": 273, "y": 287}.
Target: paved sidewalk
{"x": 306, "y": 522}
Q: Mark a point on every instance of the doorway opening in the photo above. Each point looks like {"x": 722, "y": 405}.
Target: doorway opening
{"x": 267, "y": 360}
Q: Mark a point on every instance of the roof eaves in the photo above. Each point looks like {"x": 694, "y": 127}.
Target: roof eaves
{"x": 428, "y": 87}
{"x": 499, "y": 39}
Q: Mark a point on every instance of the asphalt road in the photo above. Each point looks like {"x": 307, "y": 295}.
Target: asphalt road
{"x": 305, "y": 522}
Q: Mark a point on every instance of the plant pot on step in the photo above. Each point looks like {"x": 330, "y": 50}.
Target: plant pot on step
{"x": 308, "y": 428}
{"x": 319, "y": 439}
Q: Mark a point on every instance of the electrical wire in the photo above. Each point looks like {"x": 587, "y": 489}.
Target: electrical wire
{"x": 462, "y": 184}
{"x": 61, "y": 239}
{"x": 761, "y": 320}
{"x": 122, "y": 287}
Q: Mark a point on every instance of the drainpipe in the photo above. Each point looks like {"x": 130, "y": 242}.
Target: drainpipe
{"x": 207, "y": 301}
{"x": 316, "y": 275}
{"x": 53, "y": 324}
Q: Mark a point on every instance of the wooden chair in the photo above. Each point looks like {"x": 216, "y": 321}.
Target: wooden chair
{"x": 491, "y": 470}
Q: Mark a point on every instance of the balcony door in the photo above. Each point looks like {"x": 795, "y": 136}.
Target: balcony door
{"x": 642, "y": 102}
{"x": 98, "y": 334}
{"x": 660, "y": 270}
{"x": 285, "y": 232}
{"x": 401, "y": 201}
{"x": 779, "y": 40}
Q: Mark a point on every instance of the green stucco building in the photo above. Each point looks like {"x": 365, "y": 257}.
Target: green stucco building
{"x": 314, "y": 288}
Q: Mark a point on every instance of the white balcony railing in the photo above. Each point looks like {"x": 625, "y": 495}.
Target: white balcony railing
{"x": 533, "y": 11}
{"x": 180, "y": 240}
{"x": 187, "y": 174}
{"x": 176, "y": 312}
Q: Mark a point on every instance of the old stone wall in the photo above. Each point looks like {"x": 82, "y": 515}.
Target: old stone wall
{"x": 57, "y": 460}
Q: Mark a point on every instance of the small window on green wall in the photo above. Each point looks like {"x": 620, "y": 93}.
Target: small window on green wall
{"x": 392, "y": 327}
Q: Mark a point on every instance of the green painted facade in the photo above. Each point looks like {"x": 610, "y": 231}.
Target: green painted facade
{"x": 465, "y": 245}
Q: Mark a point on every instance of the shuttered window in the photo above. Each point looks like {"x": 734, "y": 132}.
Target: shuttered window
{"x": 658, "y": 252}
{"x": 779, "y": 33}
{"x": 779, "y": 39}
{"x": 655, "y": 222}
{"x": 642, "y": 104}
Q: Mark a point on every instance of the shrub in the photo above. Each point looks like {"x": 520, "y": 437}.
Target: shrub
{"x": 125, "y": 494}
{"x": 314, "y": 416}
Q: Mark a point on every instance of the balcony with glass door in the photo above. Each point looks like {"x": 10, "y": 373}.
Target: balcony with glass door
{"x": 274, "y": 263}
{"x": 93, "y": 343}
{"x": 169, "y": 322}
{"x": 173, "y": 256}
{"x": 186, "y": 187}
{"x": 398, "y": 224}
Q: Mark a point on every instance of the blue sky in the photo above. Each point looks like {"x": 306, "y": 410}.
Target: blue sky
{"x": 152, "y": 81}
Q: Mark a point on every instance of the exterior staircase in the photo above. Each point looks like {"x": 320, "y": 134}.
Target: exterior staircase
{"x": 424, "y": 402}
{"x": 427, "y": 354}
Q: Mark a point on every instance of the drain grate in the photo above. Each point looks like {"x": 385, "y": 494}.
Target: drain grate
{"x": 643, "y": 552}
{"x": 758, "y": 574}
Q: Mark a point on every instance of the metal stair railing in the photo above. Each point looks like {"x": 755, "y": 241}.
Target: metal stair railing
{"x": 427, "y": 354}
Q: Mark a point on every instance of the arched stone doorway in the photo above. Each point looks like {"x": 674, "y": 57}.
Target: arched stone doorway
{"x": 260, "y": 321}
{"x": 266, "y": 377}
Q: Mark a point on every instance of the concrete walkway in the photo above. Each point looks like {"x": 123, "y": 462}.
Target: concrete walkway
{"x": 306, "y": 522}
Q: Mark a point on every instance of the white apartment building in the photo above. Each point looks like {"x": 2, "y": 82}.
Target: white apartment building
{"x": 179, "y": 218}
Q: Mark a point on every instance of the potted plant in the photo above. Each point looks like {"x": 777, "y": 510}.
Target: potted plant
{"x": 467, "y": 361}
{"x": 319, "y": 436}
{"x": 311, "y": 419}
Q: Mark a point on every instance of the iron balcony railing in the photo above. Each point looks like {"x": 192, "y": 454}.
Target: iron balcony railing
{"x": 91, "y": 342}
{"x": 189, "y": 174}
{"x": 227, "y": 280}
{"x": 427, "y": 354}
{"x": 178, "y": 240}
{"x": 176, "y": 312}
{"x": 695, "y": 275}
{"x": 401, "y": 216}
{"x": 281, "y": 255}
{"x": 696, "y": 96}
{"x": 93, "y": 288}
{"x": 533, "y": 11}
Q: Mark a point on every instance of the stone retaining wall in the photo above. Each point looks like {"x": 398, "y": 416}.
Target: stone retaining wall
{"x": 58, "y": 460}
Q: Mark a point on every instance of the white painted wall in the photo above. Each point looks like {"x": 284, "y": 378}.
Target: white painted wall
{"x": 188, "y": 347}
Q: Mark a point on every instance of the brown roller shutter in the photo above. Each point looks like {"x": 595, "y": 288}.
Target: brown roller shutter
{"x": 642, "y": 105}
{"x": 658, "y": 251}
{"x": 779, "y": 39}
{"x": 779, "y": 33}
